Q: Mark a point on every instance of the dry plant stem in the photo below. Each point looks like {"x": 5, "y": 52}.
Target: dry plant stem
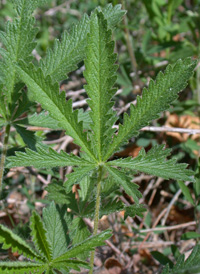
{"x": 96, "y": 216}
{"x": 3, "y": 155}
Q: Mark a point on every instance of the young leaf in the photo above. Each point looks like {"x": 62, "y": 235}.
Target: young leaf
{"x": 56, "y": 226}
{"x": 100, "y": 75}
{"x": 46, "y": 159}
{"x": 123, "y": 180}
{"x": 22, "y": 267}
{"x": 39, "y": 236}
{"x": 43, "y": 91}
{"x": 158, "y": 97}
{"x": 11, "y": 240}
{"x": 154, "y": 162}
{"x": 78, "y": 174}
{"x": 87, "y": 245}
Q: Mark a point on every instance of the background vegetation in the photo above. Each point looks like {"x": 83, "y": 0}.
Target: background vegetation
{"x": 153, "y": 34}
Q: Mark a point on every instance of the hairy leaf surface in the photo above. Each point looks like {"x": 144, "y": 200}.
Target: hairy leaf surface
{"x": 70, "y": 51}
{"x": 11, "y": 240}
{"x": 18, "y": 42}
{"x": 87, "y": 245}
{"x": 100, "y": 75}
{"x": 43, "y": 91}
{"x": 38, "y": 233}
{"x": 46, "y": 159}
{"x": 154, "y": 162}
{"x": 56, "y": 226}
{"x": 123, "y": 180}
{"x": 22, "y": 267}
{"x": 158, "y": 97}
{"x": 78, "y": 174}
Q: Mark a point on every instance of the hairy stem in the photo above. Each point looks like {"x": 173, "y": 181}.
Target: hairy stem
{"x": 3, "y": 155}
{"x": 96, "y": 216}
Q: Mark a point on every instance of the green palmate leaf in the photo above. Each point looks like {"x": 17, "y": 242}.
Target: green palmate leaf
{"x": 55, "y": 220}
{"x": 38, "y": 233}
{"x": 87, "y": 245}
{"x": 46, "y": 159}
{"x": 154, "y": 162}
{"x": 18, "y": 42}
{"x": 123, "y": 180}
{"x": 100, "y": 75}
{"x": 22, "y": 268}
{"x": 155, "y": 99}
{"x": 11, "y": 240}
{"x": 43, "y": 91}
{"x": 190, "y": 266}
{"x": 78, "y": 174}
{"x": 70, "y": 51}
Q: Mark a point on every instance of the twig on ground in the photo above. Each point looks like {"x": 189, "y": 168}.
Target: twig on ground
{"x": 168, "y": 228}
{"x": 178, "y": 193}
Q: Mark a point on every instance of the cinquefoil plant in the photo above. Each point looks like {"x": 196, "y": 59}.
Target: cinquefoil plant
{"x": 95, "y": 169}
{"x": 52, "y": 249}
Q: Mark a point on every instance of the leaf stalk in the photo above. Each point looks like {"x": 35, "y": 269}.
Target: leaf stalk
{"x": 3, "y": 155}
{"x": 96, "y": 216}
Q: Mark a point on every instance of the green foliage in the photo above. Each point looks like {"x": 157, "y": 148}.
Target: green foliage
{"x": 100, "y": 75}
{"x": 51, "y": 241}
{"x": 70, "y": 51}
{"x": 100, "y": 60}
{"x": 191, "y": 265}
{"x": 154, "y": 162}
{"x": 94, "y": 131}
{"x": 158, "y": 97}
